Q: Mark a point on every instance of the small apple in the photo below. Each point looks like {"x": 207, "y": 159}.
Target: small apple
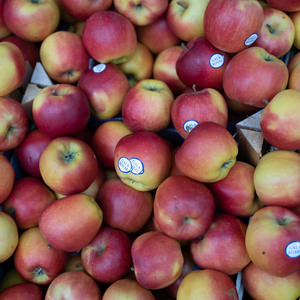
{"x": 22, "y": 291}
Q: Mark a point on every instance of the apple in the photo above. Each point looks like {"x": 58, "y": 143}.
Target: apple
{"x": 294, "y": 82}
{"x": 9, "y": 236}
{"x": 207, "y": 153}
{"x": 235, "y": 194}
{"x": 4, "y": 31}
{"x": 13, "y": 62}
{"x": 237, "y": 32}
{"x": 22, "y": 291}
{"x": 185, "y": 18}
{"x": 7, "y": 174}
{"x": 191, "y": 108}
{"x": 295, "y": 17}
{"x": 142, "y": 160}
{"x": 35, "y": 260}
{"x": 238, "y": 108}
{"x": 210, "y": 284}
{"x": 262, "y": 285}
{"x": 74, "y": 263}
{"x": 201, "y": 65}
{"x": 105, "y": 87}
{"x": 157, "y": 260}
{"x": 293, "y": 61}
{"x": 183, "y": 208}
{"x": 288, "y": 6}
{"x": 174, "y": 169}
{"x": 64, "y": 57}
{"x": 10, "y": 277}
{"x": 273, "y": 236}
{"x": 157, "y": 36}
{"x": 68, "y": 165}
{"x": 73, "y": 285}
{"x": 31, "y": 20}
{"x": 254, "y": 76}
{"x": 147, "y": 106}
{"x": 124, "y": 207}
{"x": 109, "y": 37}
{"x": 141, "y": 12}
{"x": 276, "y": 178}
{"x": 76, "y": 27}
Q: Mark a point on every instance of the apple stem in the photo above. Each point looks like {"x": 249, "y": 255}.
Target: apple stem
{"x": 182, "y": 4}
{"x": 194, "y": 88}
{"x": 265, "y": 101}
{"x": 271, "y": 30}
{"x": 184, "y": 46}
{"x": 39, "y": 271}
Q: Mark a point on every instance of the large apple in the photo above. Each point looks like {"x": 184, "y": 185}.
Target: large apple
{"x": 207, "y": 153}
{"x": 7, "y": 174}
{"x": 254, "y": 76}
{"x": 233, "y": 25}
{"x": 22, "y": 291}
{"x": 288, "y": 6}
{"x": 273, "y": 236}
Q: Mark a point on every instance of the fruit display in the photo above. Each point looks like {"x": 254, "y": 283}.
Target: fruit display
{"x": 149, "y": 149}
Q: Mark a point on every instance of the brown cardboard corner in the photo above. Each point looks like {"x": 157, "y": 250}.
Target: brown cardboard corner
{"x": 252, "y": 122}
{"x": 40, "y": 76}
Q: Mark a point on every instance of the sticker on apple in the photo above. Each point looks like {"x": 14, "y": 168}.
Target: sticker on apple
{"x": 251, "y": 39}
{"x": 189, "y": 125}
{"x": 99, "y": 68}
{"x": 133, "y": 165}
{"x": 124, "y": 165}
{"x": 292, "y": 250}
{"x": 217, "y": 60}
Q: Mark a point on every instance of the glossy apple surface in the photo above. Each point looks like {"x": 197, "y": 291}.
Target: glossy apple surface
{"x": 23, "y": 291}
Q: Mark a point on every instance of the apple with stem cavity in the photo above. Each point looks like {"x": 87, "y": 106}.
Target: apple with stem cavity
{"x": 22, "y": 291}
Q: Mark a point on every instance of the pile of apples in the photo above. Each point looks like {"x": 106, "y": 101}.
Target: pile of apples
{"x": 124, "y": 181}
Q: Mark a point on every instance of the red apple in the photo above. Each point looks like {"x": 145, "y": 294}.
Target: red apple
{"x": 288, "y": 6}
{"x": 7, "y": 175}
{"x": 4, "y": 31}
{"x": 22, "y": 291}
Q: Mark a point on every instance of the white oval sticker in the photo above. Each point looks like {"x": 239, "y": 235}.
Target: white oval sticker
{"x": 251, "y": 39}
{"x": 124, "y": 165}
{"x": 217, "y": 60}
{"x": 137, "y": 166}
{"x": 99, "y": 68}
{"x": 292, "y": 250}
{"x": 189, "y": 125}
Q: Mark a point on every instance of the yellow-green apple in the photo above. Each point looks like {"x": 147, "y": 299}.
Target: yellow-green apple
{"x": 185, "y": 18}
{"x": 201, "y": 65}
{"x": 222, "y": 246}
{"x": 22, "y": 291}
{"x": 124, "y": 207}
{"x": 164, "y": 68}
{"x": 294, "y": 80}
{"x": 9, "y": 236}
{"x": 13, "y": 123}
{"x": 105, "y": 87}
{"x": 207, "y": 153}
{"x": 4, "y": 31}
{"x": 12, "y": 66}
{"x": 183, "y": 208}
{"x": 59, "y": 224}
{"x": 141, "y": 12}
{"x": 26, "y": 201}
{"x": 73, "y": 285}
{"x": 237, "y": 32}
{"x": 37, "y": 261}
{"x": 7, "y": 175}
{"x": 147, "y": 106}
{"x": 294, "y": 61}
{"x": 277, "y": 33}
{"x": 68, "y": 165}
{"x": 31, "y": 20}
{"x": 295, "y": 17}
{"x": 288, "y": 6}
{"x": 262, "y": 285}
{"x": 263, "y": 76}
{"x": 10, "y": 277}
{"x": 107, "y": 257}
{"x": 81, "y": 9}
{"x": 280, "y": 122}
{"x": 61, "y": 110}
{"x": 157, "y": 36}
{"x": 74, "y": 263}
{"x": 105, "y": 138}
{"x": 157, "y": 260}
{"x": 142, "y": 160}
{"x": 191, "y": 108}
{"x": 76, "y": 27}
{"x": 64, "y": 56}
{"x": 235, "y": 194}
{"x": 127, "y": 288}
{"x": 109, "y": 37}
{"x": 273, "y": 236}
{"x": 210, "y": 284}
{"x": 276, "y": 178}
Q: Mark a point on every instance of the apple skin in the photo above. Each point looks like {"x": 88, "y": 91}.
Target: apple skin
{"x": 273, "y": 235}
{"x": 148, "y": 157}
{"x": 124, "y": 207}
{"x": 207, "y": 153}
{"x": 68, "y": 165}
{"x": 279, "y": 121}
{"x": 185, "y": 18}
{"x": 4, "y": 31}
{"x": 13, "y": 123}
{"x": 201, "y": 65}
{"x": 263, "y": 76}
{"x": 13, "y": 62}
{"x": 294, "y": 81}
{"x": 58, "y": 222}
{"x": 237, "y": 32}
{"x": 107, "y": 257}
{"x": 287, "y": 6}
{"x": 272, "y": 178}
{"x": 157, "y": 260}
{"x": 262, "y": 285}
{"x": 7, "y": 173}
{"x": 22, "y": 291}
{"x": 277, "y": 33}
{"x": 183, "y": 208}
{"x": 109, "y": 37}
{"x": 73, "y": 285}
{"x": 235, "y": 194}
{"x": 74, "y": 263}
{"x": 190, "y": 109}
{"x": 11, "y": 277}
{"x": 105, "y": 87}
{"x": 147, "y": 106}
{"x": 210, "y": 284}
{"x": 31, "y": 20}
{"x": 295, "y": 17}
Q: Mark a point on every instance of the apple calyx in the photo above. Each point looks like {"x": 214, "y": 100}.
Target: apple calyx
{"x": 283, "y": 221}
{"x": 69, "y": 157}
{"x": 101, "y": 249}
{"x": 271, "y": 29}
{"x": 227, "y": 163}
{"x": 183, "y": 4}
{"x": 36, "y": 1}
{"x": 39, "y": 271}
